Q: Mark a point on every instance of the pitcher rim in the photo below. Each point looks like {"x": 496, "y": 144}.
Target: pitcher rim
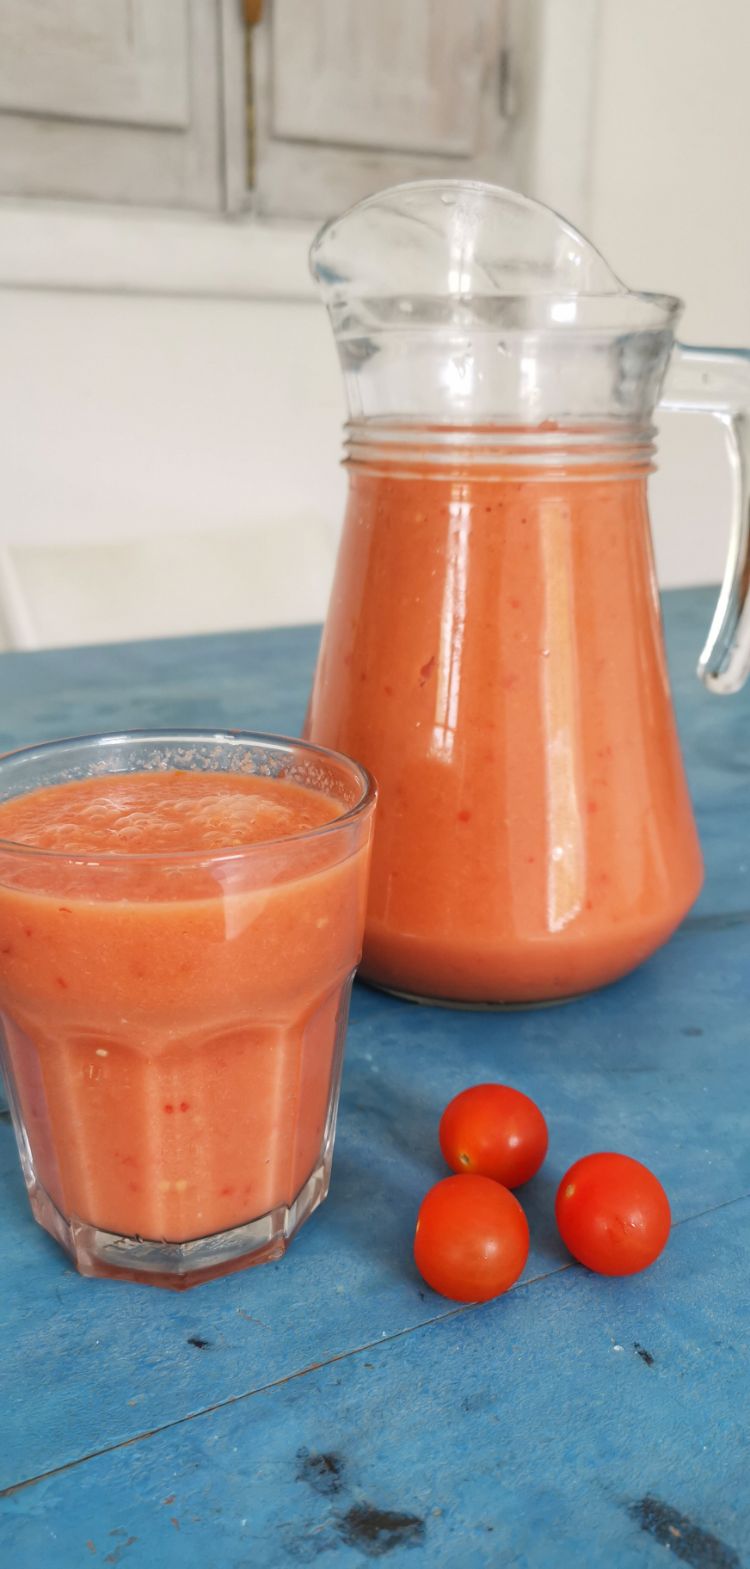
{"x": 662, "y": 305}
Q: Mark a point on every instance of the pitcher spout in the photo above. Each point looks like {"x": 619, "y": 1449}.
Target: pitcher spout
{"x": 464, "y": 302}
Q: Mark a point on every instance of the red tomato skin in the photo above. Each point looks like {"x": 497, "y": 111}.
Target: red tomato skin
{"x": 472, "y": 1239}
{"x": 616, "y": 1220}
{"x": 494, "y": 1131}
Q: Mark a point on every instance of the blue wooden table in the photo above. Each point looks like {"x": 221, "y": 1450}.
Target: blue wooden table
{"x": 329, "y": 1409}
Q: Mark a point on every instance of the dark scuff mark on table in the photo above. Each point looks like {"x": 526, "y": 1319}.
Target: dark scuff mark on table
{"x": 115, "y": 1556}
{"x": 688, "y": 1541}
{"x": 376, "y": 1532}
{"x": 645, "y": 1356}
{"x": 322, "y": 1471}
{"x": 720, "y": 921}
{"x": 250, "y": 1320}
{"x": 691, "y": 1030}
{"x": 198, "y": 1342}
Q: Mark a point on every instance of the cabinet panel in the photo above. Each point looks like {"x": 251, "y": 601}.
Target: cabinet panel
{"x": 113, "y": 100}
{"x": 120, "y": 61}
{"x": 349, "y": 97}
{"x": 405, "y": 77}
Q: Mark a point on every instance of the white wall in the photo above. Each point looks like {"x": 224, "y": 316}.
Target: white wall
{"x": 669, "y": 205}
{"x": 135, "y": 415}
{"x": 670, "y": 196}
{"x": 170, "y": 461}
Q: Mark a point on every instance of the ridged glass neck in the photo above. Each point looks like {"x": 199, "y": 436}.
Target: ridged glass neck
{"x": 594, "y": 450}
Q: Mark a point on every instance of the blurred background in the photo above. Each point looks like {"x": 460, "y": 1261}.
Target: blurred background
{"x": 170, "y": 399}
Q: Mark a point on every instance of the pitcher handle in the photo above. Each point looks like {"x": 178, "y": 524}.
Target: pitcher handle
{"x": 717, "y": 381}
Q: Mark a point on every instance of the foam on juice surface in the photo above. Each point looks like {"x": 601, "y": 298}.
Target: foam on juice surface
{"x": 162, "y": 812}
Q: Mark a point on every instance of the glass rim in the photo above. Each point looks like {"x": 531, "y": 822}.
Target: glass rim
{"x": 259, "y": 738}
{"x": 661, "y": 309}
{"x": 553, "y": 313}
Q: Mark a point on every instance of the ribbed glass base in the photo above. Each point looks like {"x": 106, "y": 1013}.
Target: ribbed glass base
{"x": 178, "y": 1265}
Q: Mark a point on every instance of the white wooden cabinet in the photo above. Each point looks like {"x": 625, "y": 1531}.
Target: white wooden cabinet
{"x": 120, "y": 101}
{"x": 146, "y": 102}
{"x": 350, "y": 97}
{"x": 124, "y": 63}
{"x": 177, "y": 104}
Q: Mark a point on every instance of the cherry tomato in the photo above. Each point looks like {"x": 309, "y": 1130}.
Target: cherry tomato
{"x": 613, "y": 1214}
{"x": 472, "y": 1239}
{"x": 496, "y": 1132}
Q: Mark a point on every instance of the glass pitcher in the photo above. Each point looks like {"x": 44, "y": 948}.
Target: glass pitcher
{"x": 493, "y": 648}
